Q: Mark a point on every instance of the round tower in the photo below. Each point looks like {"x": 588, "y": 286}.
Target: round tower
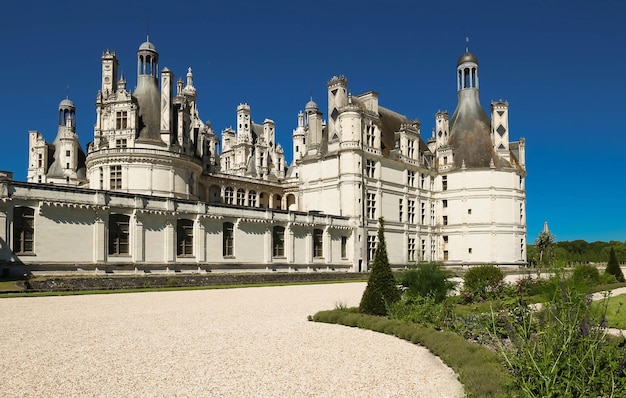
{"x": 148, "y": 95}
{"x": 470, "y": 131}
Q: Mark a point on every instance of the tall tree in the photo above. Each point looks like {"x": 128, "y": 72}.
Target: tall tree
{"x": 613, "y": 268}
{"x": 545, "y": 246}
{"x": 381, "y": 290}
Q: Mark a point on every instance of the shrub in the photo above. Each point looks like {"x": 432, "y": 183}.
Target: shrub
{"x": 427, "y": 280}
{"x": 479, "y": 369}
{"x": 586, "y": 274}
{"x": 613, "y": 268}
{"x": 381, "y": 290}
{"x": 422, "y": 310}
{"x": 484, "y": 282}
{"x": 562, "y": 350}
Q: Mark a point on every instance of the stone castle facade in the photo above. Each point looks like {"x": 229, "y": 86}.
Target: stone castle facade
{"x": 157, "y": 188}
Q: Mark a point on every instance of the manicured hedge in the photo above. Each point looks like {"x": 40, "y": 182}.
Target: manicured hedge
{"x": 480, "y": 370}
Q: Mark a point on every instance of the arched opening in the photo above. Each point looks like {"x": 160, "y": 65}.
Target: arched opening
{"x": 263, "y": 200}
{"x": 291, "y": 202}
{"x": 214, "y": 194}
{"x": 278, "y": 202}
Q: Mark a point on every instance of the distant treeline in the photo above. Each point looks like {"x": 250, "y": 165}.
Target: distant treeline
{"x": 580, "y": 251}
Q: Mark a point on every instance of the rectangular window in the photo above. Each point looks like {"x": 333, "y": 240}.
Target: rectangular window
{"x": 445, "y": 255}
{"x": 371, "y": 247}
{"x": 423, "y": 249}
{"x": 370, "y": 168}
{"x": 445, "y": 239}
{"x": 40, "y": 160}
{"x": 23, "y": 230}
{"x": 370, "y": 136}
{"x": 411, "y": 149}
{"x": 400, "y": 210}
{"x": 432, "y": 214}
{"x": 410, "y": 178}
{"x": 318, "y": 243}
{"x": 422, "y": 180}
{"x": 445, "y": 220}
{"x": 469, "y": 211}
{"x": 411, "y": 212}
{"x": 278, "y": 241}
{"x": 444, "y": 183}
{"x": 101, "y": 176}
{"x": 121, "y": 120}
{"x": 67, "y": 153}
{"x": 411, "y": 249}
{"x": 371, "y": 205}
{"x": 116, "y": 177}
{"x": 119, "y": 225}
{"x": 184, "y": 237}
{"x": 121, "y": 143}
{"x": 445, "y": 203}
{"x": 423, "y": 213}
{"x": 344, "y": 247}
{"x": 469, "y": 250}
{"x": 228, "y": 239}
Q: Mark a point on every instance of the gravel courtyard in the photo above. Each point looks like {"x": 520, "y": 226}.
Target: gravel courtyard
{"x": 250, "y": 342}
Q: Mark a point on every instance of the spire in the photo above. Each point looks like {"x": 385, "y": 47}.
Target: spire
{"x": 545, "y": 227}
{"x": 466, "y": 44}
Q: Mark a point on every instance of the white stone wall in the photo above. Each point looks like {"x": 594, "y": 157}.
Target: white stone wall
{"x": 71, "y": 228}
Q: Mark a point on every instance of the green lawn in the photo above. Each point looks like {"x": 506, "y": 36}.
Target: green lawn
{"x": 616, "y": 312}
{"x": 8, "y": 286}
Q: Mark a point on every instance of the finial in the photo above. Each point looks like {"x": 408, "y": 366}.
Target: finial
{"x": 466, "y": 44}
{"x": 148, "y": 31}
{"x": 67, "y": 93}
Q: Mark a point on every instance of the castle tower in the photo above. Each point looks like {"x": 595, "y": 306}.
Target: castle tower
{"x": 67, "y": 138}
{"x": 109, "y": 73}
{"x": 442, "y": 129}
{"x": 243, "y": 123}
{"x": 470, "y": 132}
{"x": 313, "y": 122}
{"x": 167, "y": 91}
{"x": 148, "y": 95}
{"x": 500, "y": 127}
{"x": 337, "y": 98}
{"x": 298, "y": 139}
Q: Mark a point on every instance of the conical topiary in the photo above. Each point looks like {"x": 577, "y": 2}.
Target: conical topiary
{"x": 613, "y": 268}
{"x": 381, "y": 289}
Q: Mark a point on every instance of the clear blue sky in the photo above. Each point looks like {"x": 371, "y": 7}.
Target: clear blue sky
{"x": 560, "y": 64}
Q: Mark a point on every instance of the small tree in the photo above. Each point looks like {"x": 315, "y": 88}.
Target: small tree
{"x": 381, "y": 290}
{"x": 613, "y": 268}
{"x": 545, "y": 247}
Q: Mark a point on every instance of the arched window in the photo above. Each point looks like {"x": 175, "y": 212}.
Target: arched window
{"x": 229, "y": 196}
{"x": 278, "y": 241}
{"x": 241, "y": 197}
{"x": 228, "y": 239}
{"x": 184, "y": 238}
{"x": 118, "y": 234}
{"x": 23, "y": 230}
{"x": 252, "y": 199}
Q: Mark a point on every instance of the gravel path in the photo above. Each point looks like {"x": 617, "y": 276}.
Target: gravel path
{"x": 252, "y": 342}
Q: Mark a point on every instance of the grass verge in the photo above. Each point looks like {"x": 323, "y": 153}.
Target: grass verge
{"x": 164, "y": 289}
{"x": 616, "y": 312}
{"x": 480, "y": 370}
